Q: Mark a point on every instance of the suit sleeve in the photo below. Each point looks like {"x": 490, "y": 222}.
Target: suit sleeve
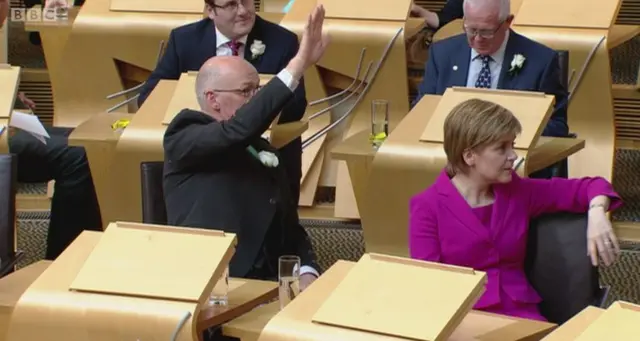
{"x": 187, "y": 143}
{"x": 550, "y": 83}
{"x": 451, "y": 11}
{"x": 167, "y": 68}
{"x": 430, "y": 78}
{"x": 424, "y": 243}
{"x": 295, "y": 108}
{"x": 564, "y": 195}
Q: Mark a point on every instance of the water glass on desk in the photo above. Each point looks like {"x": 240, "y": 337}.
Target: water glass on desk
{"x": 288, "y": 279}
{"x": 379, "y": 122}
{"x": 219, "y": 295}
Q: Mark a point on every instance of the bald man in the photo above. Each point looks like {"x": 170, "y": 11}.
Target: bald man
{"x": 219, "y": 172}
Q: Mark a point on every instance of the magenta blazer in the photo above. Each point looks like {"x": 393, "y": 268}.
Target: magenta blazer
{"x": 443, "y": 228}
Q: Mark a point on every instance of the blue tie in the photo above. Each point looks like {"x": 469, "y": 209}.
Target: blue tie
{"x": 484, "y": 78}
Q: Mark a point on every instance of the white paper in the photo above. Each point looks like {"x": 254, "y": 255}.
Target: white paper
{"x": 30, "y": 124}
{"x": 2, "y": 128}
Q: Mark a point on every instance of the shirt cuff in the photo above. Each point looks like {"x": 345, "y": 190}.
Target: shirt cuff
{"x": 286, "y": 78}
{"x": 305, "y": 269}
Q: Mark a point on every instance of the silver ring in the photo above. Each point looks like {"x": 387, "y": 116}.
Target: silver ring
{"x": 607, "y": 243}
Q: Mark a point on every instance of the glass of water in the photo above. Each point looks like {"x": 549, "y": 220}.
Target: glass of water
{"x": 379, "y": 122}
{"x": 288, "y": 279}
{"x": 219, "y": 295}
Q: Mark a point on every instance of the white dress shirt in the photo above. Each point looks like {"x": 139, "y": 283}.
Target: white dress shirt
{"x": 495, "y": 65}
{"x": 222, "y": 45}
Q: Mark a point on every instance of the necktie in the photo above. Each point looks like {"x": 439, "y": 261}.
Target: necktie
{"x": 234, "y": 45}
{"x": 484, "y": 78}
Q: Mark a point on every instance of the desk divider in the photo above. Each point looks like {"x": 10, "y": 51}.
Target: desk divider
{"x": 403, "y": 297}
{"x": 620, "y": 322}
{"x": 158, "y": 261}
{"x": 532, "y": 109}
{"x": 155, "y": 6}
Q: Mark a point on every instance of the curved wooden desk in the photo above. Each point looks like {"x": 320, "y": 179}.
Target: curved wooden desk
{"x": 75, "y": 315}
{"x": 263, "y": 324}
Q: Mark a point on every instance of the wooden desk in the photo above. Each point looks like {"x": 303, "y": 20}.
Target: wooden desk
{"x": 576, "y": 325}
{"x": 99, "y": 141}
{"x": 475, "y": 326}
{"x": 244, "y": 295}
{"x": 11, "y": 289}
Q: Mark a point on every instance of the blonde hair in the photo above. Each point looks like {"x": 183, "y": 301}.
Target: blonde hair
{"x": 474, "y": 124}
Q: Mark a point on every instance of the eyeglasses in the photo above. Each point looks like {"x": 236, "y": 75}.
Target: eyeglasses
{"x": 486, "y": 34}
{"x": 232, "y": 6}
{"x": 246, "y": 93}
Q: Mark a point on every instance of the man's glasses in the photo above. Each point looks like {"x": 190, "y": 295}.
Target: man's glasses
{"x": 246, "y": 93}
{"x": 231, "y": 6}
{"x": 486, "y": 34}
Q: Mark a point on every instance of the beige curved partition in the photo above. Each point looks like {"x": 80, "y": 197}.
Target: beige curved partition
{"x": 100, "y": 40}
{"x": 582, "y": 30}
{"x": 9, "y": 81}
{"x": 87, "y": 293}
{"x": 354, "y": 26}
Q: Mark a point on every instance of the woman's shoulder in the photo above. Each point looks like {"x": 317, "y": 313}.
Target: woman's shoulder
{"x": 425, "y": 197}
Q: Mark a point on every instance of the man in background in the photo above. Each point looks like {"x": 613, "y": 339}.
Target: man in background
{"x": 491, "y": 55}
{"x": 232, "y": 28}
{"x": 74, "y": 206}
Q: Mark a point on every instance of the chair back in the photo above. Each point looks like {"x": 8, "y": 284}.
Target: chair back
{"x": 563, "y": 61}
{"x": 558, "y": 267}
{"x": 8, "y": 187}
{"x": 154, "y": 210}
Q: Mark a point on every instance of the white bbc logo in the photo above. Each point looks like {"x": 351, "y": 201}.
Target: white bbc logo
{"x": 36, "y": 14}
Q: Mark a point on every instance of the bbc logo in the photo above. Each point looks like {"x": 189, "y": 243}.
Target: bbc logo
{"x": 38, "y": 14}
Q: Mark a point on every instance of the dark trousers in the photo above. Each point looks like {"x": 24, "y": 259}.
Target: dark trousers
{"x": 74, "y": 206}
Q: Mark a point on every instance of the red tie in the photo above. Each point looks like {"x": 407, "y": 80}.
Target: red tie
{"x": 234, "y": 45}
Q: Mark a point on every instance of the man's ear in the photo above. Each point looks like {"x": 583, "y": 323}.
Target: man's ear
{"x": 509, "y": 20}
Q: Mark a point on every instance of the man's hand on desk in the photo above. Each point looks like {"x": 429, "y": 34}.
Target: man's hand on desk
{"x": 27, "y": 101}
{"x": 306, "y": 280}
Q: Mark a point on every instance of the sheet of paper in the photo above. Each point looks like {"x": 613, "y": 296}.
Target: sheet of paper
{"x": 2, "y": 129}
{"x": 30, "y": 124}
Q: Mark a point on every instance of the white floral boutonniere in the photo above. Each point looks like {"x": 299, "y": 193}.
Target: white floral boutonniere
{"x": 257, "y": 49}
{"x": 517, "y": 63}
{"x": 268, "y": 159}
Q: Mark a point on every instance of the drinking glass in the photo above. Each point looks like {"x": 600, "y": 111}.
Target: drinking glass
{"x": 219, "y": 295}
{"x": 379, "y": 122}
{"x": 288, "y": 279}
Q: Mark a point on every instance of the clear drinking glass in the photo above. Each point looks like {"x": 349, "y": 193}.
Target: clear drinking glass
{"x": 379, "y": 122}
{"x": 219, "y": 295}
{"x": 288, "y": 279}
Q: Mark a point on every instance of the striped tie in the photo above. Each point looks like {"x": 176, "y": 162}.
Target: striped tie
{"x": 234, "y": 45}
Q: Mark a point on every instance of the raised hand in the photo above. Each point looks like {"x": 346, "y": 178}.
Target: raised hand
{"x": 314, "y": 40}
{"x": 312, "y": 45}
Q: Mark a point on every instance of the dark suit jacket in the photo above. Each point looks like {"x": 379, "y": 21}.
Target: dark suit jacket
{"x": 211, "y": 181}
{"x": 191, "y": 45}
{"x": 451, "y": 11}
{"x": 540, "y": 72}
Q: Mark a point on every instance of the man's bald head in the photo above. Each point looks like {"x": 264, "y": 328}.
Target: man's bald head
{"x": 222, "y": 82}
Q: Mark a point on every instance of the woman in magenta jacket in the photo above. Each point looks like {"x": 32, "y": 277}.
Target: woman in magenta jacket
{"x": 477, "y": 212}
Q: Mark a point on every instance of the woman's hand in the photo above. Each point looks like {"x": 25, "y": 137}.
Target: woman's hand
{"x": 601, "y": 241}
